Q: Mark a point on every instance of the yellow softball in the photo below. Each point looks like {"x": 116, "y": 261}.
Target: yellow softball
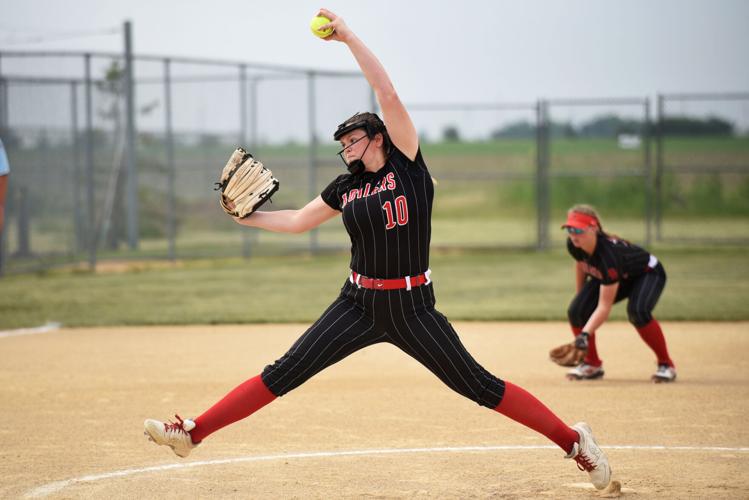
{"x": 315, "y": 24}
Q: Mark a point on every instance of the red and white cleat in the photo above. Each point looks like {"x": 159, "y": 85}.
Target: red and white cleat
{"x": 584, "y": 371}
{"x": 590, "y": 458}
{"x": 665, "y": 373}
{"x": 176, "y": 435}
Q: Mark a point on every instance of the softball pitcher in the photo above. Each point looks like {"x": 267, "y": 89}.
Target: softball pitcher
{"x": 609, "y": 269}
{"x": 385, "y": 201}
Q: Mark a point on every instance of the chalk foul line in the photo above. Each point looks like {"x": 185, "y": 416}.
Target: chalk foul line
{"x": 54, "y": 487}
{"x": 46, "y": 328}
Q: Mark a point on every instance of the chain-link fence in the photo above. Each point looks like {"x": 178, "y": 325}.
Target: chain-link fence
{"x": 599, "y": 154}
{"x": 701, "y": 178}
{"x": 102, "y": 169}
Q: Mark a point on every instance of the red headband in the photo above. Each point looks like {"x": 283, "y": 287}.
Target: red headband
{"x": 580, "y": 220}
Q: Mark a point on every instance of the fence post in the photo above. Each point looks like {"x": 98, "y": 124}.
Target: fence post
{"x": 3, "y": 97}
{"x": 542, "y": 175}
{"x": 647, "y": 173}
{"x": 80, "y": 244}
{"x": 91, "y": 229}
{"x": 130, "y": 153}
{"x": 171, "y": 168}
{"x": 658, "y": 166}
{"x": 3, "y": 124}
{"x": 246, "y": 237}
{"x": 313, "y": 236}
{"x": 24, "y": 223}
{"x": 253, "y": 233}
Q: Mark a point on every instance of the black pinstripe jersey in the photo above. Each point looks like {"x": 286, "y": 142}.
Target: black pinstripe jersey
{"x": 613, "y": 259}
{"x": 387, "y": 215}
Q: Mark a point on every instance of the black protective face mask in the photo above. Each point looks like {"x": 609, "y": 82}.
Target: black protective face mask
{"x": 357, "y": 166}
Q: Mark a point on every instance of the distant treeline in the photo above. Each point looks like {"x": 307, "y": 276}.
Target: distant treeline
{"x": 610, "y": 126}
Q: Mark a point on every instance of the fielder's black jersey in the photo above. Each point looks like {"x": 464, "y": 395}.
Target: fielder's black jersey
{"x": 387, "y": 215}
{"x": 613, "y": 259}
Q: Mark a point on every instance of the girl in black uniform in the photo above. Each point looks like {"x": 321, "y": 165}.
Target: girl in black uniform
{"x": 385, "y": 200}
{"x": 609, "y": 269}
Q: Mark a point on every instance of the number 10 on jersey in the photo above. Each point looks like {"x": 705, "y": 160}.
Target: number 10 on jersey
{"x": 401, "y": 212}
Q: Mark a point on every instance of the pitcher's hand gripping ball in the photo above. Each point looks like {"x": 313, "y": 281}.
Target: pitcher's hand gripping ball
{"x": 315, "y": 24}
{"x": 245, "y": 184}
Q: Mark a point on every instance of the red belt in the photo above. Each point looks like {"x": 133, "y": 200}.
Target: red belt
{"x": 407, "y": 282}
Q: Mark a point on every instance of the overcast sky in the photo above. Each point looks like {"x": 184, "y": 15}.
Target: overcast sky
{"x": 435, "y": 51}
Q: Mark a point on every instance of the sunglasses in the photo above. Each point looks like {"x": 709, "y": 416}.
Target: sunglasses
{"x": 574, "y": 230}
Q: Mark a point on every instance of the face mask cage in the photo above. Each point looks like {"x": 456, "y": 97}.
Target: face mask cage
{"x": 355, "y": 166}
{"x": 372, "y": 125}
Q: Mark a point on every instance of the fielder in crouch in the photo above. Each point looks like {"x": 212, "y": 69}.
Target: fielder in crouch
{"x": 385, "y": 200}
{"x": 609, "y": 269}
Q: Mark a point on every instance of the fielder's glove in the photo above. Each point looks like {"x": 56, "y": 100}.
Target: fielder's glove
{"x": 245, "y": 184}
{"x": 581, "y": 341}
{"x": 571, "y": 354}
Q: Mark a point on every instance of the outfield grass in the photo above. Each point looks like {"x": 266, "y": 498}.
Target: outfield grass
{"x": 485, "y": 197}
{"x": 703, "y": 284}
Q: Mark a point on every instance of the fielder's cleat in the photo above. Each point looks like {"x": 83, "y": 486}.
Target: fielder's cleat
{"x": 176, "y": 435}
{"x": 584, "y": 371}
{"x": 665, "y": 373}
{"x": 589, "y": 457}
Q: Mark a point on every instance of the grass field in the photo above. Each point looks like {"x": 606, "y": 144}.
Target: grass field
{"x": 481, "y": 285}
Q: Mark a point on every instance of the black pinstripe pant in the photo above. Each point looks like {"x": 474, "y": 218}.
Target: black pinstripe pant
{"x": 643, "y": 293}
{"x": 407, "y": 319}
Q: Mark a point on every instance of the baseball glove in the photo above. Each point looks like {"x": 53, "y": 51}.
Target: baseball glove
{"x": 567, "y": 355}
{"x": 245, "y": 184}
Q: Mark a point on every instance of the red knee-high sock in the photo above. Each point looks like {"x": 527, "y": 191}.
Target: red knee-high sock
{"x": 653, "y": 337}
{"x": 591, "y": 357}
{"x": 523, "y": 407}
{"x": 243, "y": 401}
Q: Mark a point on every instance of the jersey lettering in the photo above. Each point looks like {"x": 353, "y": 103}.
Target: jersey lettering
{"x": 386, "y": 184}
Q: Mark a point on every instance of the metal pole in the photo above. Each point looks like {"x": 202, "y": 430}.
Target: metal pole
{"x": 253, "y": 113}
{"x": 246, "y": 241}
{"x": 313, "y": 237}
{"x": 252, "y": 232}
{"x": 659, "y": 166}
{"x": 539, "y": 162}
{"x": 3, "y": 98}
{"x": 542, "y": 175}
{"x": 171, "y": 168}
{"x": 91, "y": 229}
{"x": 24, "y": 223}
{"x": 3, "y": 124}
{"x": 130, "y": 159}
{"x": 80, "y": 244}
{"x": 647, "y": 173}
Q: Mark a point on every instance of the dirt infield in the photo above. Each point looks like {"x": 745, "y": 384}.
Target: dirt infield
{"x": 376, "y": 425}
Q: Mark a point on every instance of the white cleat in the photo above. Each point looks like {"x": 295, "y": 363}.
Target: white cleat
{"x": 665, "y": 373}
{"x": 176, "y": 435}
{"x": 584, "y": 371}
{"x": 590, "y": 458}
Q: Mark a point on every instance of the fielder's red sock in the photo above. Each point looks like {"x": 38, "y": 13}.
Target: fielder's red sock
{"x": 247, "y": 398}
{"x": 653, "y": 337}
{"x": 576, "y": 330}
{"x": 591, "y": 357}
{"x": 523, "y": 407}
